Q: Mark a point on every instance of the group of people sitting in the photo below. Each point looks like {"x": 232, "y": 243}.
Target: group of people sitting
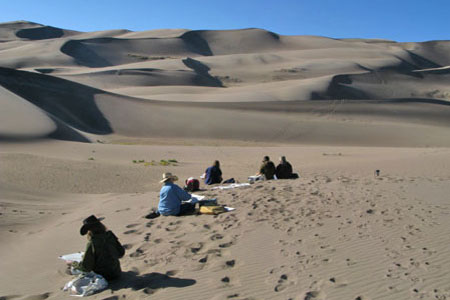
{"x": 103, "y": 249}
{"x": 282, "y": 171}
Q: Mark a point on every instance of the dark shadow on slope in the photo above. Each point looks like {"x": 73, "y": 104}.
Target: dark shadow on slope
{"x": 69, "y": 102}
{"x": 85, "y": 56}
{"x": 40, "y": 33}
{"x": 340, "y": 88}
{"x": 421, "y": 62}
{"x": 202, "y": 71}
{"x": 196, "y": 43}
{"x": 148, "y": 282}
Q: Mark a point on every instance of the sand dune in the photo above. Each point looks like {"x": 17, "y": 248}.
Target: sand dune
{"x": 339, "y": 109}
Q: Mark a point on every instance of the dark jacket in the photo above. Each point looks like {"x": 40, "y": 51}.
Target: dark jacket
{"x": 102, "y": 256}
{"x": 213, "y": 175}
{"x": 267, "y": 169}
{"x": 284, "y": 171}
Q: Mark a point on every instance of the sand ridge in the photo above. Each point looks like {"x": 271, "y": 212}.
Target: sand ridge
{"x": 103, "y": 72}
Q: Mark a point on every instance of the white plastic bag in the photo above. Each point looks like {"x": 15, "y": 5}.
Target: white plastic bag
{"x": 86, "y": 284}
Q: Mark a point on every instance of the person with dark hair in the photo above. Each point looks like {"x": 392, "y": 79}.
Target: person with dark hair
{"x": 103, "y": 250}
{"x": 284, "y": 169}
{"x": 213, "y": 174}
{"x": 267, "y": 168}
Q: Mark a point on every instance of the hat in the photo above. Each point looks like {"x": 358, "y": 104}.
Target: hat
{"x": 167, "y": 176}
{"x": 88, "y": 223}
{"x": 266, "y": 158}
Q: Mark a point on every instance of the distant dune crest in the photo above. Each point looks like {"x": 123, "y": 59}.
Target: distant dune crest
{"x": 139, "y": 84}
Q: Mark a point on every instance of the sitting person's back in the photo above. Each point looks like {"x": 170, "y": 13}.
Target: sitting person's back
{"x": 267, "y": 168}
{"x": 284, "y": 169}
{"x": 103, "y": 250}
{"x": 171, "y": 196}
{"x": 213, "y": 174}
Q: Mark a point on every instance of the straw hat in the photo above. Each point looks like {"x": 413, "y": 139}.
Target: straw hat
{"x": 88, "y": 223}
{"x": 167, "y": 176}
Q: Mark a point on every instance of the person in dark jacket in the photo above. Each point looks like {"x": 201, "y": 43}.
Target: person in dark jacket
{"x": 284, "y": 169}
{"x": 213, "y": 174}
{"x": 267, "y": 168}
{"x": 103, "y": 250}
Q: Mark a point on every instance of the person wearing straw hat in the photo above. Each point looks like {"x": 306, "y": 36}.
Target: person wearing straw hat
{"x": 171, "y": 198}
{"x": 103, "y": 250}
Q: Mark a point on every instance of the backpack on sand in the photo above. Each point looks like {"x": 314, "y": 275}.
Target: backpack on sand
{"x": 192, "y": 184}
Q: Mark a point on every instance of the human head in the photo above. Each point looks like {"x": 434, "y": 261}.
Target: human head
{"x": 266, "y": 158}
{"x": 216, "y": 164}
{"x": 283, "y": 159}
{"x": 92, "y": 224}
{"x": 168, "y": 177}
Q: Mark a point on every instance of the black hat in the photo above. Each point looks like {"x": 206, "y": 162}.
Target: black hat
{"x": 266, "y": 158}
{"x": 88, "y": 223}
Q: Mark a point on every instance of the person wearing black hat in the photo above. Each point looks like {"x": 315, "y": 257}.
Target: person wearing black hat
{"x": 267, "y": 168}
{"x": 103, "y": 250}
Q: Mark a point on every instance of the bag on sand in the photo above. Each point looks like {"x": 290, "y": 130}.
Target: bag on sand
{"x": 86, "y": 284}
{"x": 192, "y": 184}
{"x": 212, "y": 209}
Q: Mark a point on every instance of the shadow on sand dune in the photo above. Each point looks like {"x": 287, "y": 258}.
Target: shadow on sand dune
{"x": 149, "y": 282}
{"x": 68, "y": 102}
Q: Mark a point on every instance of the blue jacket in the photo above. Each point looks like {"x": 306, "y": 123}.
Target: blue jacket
{"x": 170, "y": 198}
{"x": 213, "y": 175}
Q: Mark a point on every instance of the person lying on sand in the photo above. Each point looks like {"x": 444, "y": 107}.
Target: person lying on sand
{"x": 103, "y": 250}
{"x": 267, "y": 168}
{"x": 213, "y": 174}
{"x": 171, "y": 199}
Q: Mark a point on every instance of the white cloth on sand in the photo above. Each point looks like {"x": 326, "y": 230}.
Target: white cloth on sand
{"x": 231, "y": 186}
{"x": 86, "y": 284}
{"x": 78, "y": 256}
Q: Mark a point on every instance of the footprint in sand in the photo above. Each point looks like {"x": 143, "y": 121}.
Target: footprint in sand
{"x": 230, "y": 263}
{"x": 137, "y": 253}
{"x": 131, "y": 225}
{"x": 127, "y": 246}
{"x": 282, "y": 284}
{"x": 130, "y": 231}
{"x": 225, "y": 245}
{"x": 196, "y": 247}
{"x": 172, "y": 273}
{"x": 216, "y": 236}
{"x": 314, "y": 295}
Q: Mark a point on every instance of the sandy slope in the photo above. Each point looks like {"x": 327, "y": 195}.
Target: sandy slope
{"x": 338, "y": 109}
{"x": 336, "y": 233}
{"x": 77, "y": 78}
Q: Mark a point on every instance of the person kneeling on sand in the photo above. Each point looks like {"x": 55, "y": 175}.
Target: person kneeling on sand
{"x": 213, "y": 174}
{"x": 171, "y": 198}
{"x": 103, "y": 250}
{"x": 267, "y": 168}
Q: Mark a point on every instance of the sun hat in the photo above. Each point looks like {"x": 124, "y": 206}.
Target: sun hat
{"x": 88, "y": 223}
{"x": 167, "y": 176}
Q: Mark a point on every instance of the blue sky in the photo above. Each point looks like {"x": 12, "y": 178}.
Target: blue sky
{"x": 400, "y": 20}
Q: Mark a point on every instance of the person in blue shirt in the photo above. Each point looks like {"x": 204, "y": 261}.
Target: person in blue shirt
{"x": 213, "y": 174}
{"x": 171, "y": 197}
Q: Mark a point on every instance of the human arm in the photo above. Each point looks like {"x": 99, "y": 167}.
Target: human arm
{"x": 182, "y": 194}
{"x": 87, "y": 264}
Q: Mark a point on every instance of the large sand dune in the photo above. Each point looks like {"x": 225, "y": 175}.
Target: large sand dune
{"x": 80, "y": 110}
{"x": 92, "y": 83}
